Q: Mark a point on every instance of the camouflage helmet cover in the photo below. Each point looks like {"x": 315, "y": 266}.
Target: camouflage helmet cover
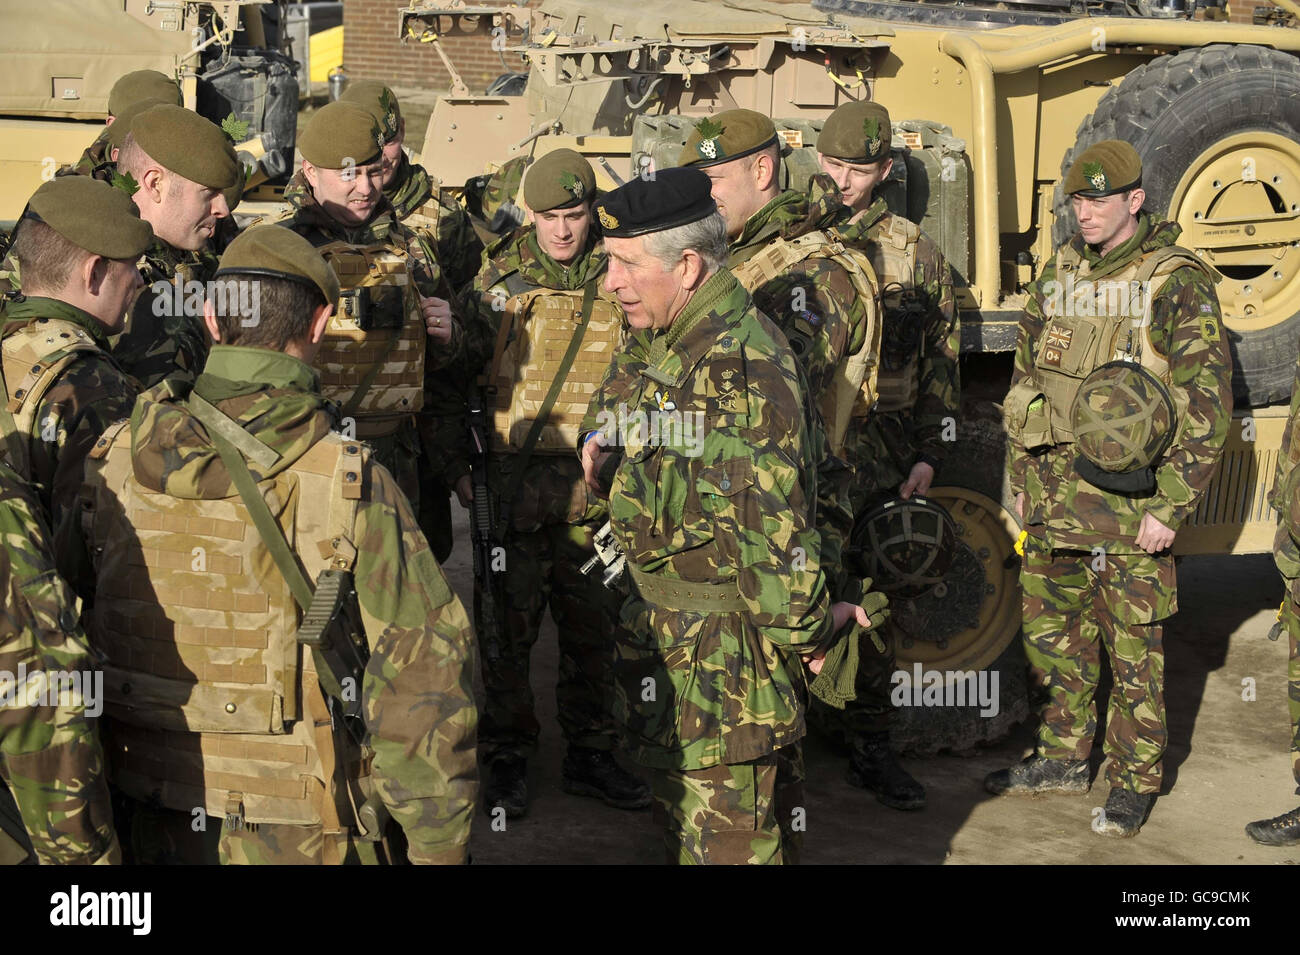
{"x": 905, "y": 546}
{"x": 1123, "y": 418}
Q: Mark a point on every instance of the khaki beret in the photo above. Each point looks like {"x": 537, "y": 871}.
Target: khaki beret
{"x": 856, "y": 132}
{"x": 341, "y": 135}
{"x": 379, "y": 101}
{"x": 187, "y": 144}
{"x": 122, "y": 121}
{"x": 559, "y": 180}
{"x": 727, "y": 136}
{"x": 675, "y": 196}
{"x": 143, "y": 86}
{"x": 1104, "y": 169}
{"x": 278, "y": 252}
{"x": 92, "y": 215}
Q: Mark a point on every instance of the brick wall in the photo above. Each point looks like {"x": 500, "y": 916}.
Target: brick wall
{"x": 372, "y": 50}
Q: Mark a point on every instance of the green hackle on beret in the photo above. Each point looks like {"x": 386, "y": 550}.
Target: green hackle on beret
{"x": 1104, "y": 169}
{"x": 729, "y": 135}
{"x": 341, "y": 135}
{"x": 187, "y": 144}
{"x": 559, "y": 180}
{"x": 92, "y": 215}
{"x": 278, "y": 252}
{"x": 380, "y": 102}
{"x": 858, "y": 132}
{"x": 143, "y": 86}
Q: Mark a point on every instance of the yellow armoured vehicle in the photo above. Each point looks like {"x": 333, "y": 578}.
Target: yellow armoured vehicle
{"x": 60, "y": 58}
{"x": 990, "y": 102}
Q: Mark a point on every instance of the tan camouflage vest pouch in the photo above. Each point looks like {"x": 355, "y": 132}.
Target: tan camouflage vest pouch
{"x": 856, "y": 379}
{"x": 899, "y": 381}
{"x": 213, "y": 702}
{"x": 371, "y": 360}
{"x": 1087, "y": 324}
{"x": 537, "y": 327}
{"x": 33, "y": 358}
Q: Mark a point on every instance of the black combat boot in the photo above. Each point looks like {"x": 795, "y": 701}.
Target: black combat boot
{"x": 872, "y": 766}
{"x": 594, "y": 772}
{"x": 1124, "y": 814}
{"x": 1283, "y": 830}
{"x": 507, "y": 785}
{"x": 1035, "y": 774}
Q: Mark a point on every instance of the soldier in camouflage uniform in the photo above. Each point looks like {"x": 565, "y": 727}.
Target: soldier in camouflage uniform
{"x": 1097, "y": 568}
{"x": 397, "y": 325}
{"x": 50, "y": 755}
{"x": 729, "y": 601}
{"x": 543, "y": 285}
{"x": 130, "y": 95}
{"x": 895, "y": 447}
{"x": 181, "y": 166}
{"x": 77, "y": 248}
{"x": 302, "y": 758}
{"x": 417, "y": 202}
{"x": 1284, "y": 830}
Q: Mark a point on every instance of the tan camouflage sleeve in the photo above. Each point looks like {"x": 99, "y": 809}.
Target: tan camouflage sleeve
{"x": 419, "y": 683}
{"x": 1187, "y": 326}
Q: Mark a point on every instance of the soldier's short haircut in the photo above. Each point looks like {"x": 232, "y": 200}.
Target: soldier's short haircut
{"x": 132, "y": 159}
{"x": 262, "y": 311}
{"x": 707, "y": 236}
{"x": 46, "y": 260}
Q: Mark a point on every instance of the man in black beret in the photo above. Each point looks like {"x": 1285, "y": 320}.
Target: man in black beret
{"x": 713, "y": 504}
{"x": 177, "y": 166}
{"x": 77, "y": 247}
{"x": 394, "y": 332}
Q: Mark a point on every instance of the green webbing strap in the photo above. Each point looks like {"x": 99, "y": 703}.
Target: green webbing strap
{"x": 267, "y": 527}
{"x": 670, "y": 593}
{"x": 220, "y": 424}
{"x": 544, "y": 412}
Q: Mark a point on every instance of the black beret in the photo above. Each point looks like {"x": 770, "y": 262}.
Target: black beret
{"x": 669, "y": 198}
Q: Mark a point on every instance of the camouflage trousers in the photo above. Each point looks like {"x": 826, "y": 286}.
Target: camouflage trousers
{"x": 168, "y": 837}
{"x": 1076, "y": 603}
{"x": 1291, "y": 622}
{"x": 741, "y": 814}
{"x": 541, "y": 571}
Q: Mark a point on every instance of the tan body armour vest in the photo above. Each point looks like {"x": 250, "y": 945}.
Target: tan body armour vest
{"x": 33, "y": 358}
{"x": 537, "y": 327}
{"x": 1087, "y": 324}
{"x": 371, "y": 360}
{"x": 899, "y": 381}
{"x": 214, "y": 702}
{"x": 855, "y": 379}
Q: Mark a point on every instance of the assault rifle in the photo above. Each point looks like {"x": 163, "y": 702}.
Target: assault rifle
{"x": 482, "y": 531}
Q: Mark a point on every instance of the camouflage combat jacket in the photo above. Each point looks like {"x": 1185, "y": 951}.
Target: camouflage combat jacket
{"x": 50, "y": 755}
{"x": 1186, "y": 329}
{"x": 922, "y": 335}
{"x": 736, "y": 511}
{"x": 73, "y": 410}
{"x": 552, "y": 489}
{"x": 417, "y": 692}
{"x": 94, "y": 160}
{"x": 1286, "y": 550}
{"x": 165, "y": 336}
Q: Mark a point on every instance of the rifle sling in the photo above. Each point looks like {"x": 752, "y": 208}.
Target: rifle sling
{"x": 267, "y": 527}
{"x": 544, "y": 412}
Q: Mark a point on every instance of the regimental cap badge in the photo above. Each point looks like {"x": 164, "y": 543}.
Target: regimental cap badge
{"x": 573, "y": 185}
{"x": 606, "y": 220}
{"x": 124, "y": 181}
{"x": 1096, "y": 175}
{"x": 236, "y": 130}
{"x": 871, "y": 131}
{"x": 708, "y": 146}
{"x": 389, "y": 107}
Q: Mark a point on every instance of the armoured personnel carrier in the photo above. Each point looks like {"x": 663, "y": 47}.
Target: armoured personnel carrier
{"x": 990, "y": 103}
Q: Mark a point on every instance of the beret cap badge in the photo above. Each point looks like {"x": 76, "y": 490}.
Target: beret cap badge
{"x": 871, "y": 130}
{"x": 1096, "y": 175}
{"x": 709, "y": 132}
{"x": 573, "y": 185}
{"x": 606, "y": 220}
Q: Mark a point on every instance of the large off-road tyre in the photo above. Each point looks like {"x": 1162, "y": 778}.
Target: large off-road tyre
{"x": 1218, "y": 130}
{"x": 972, "y": 624}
